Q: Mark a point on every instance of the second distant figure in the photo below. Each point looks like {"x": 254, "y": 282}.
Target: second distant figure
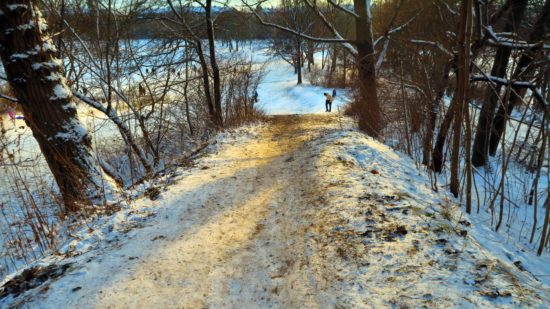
{"x": 328, "y": 102}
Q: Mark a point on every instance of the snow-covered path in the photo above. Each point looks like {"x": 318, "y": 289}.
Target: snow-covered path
{"x": 246, "y": 247}
{"x": 294, "y": 213}
{"x": 230, "y": 235}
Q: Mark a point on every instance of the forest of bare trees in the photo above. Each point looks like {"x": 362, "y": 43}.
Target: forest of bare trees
{"x": 462, "y": 87}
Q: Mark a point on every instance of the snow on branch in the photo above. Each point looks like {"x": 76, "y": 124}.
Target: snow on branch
{"x": 453, "y": 12}
{"x": 517, "y": 84}
{"x": 497, "y": 40}
{"x": 90, "y": 102}
{"x": 109, "y": 112}
{"x": 517, "y": 44}
{"x": 17, "y": 6}
{"x": 502, "y": 81}
{"x": 8, "y": 98}
{"x": 112, "y": 114}
{"x": 403, "y": 26}
{"x": 369, "y": 13}
{"x": 382, "y": 55}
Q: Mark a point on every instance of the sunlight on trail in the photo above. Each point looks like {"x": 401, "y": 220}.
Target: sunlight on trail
{"x": 224, "y": 259}
{"x": 193, "y": 265}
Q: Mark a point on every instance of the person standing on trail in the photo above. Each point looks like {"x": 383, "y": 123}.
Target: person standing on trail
{"x": 328, "y": 102}
{"x": 333, "y": 93}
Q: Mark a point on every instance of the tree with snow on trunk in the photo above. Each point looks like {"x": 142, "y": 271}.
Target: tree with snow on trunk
{"x": 36, "y": 75}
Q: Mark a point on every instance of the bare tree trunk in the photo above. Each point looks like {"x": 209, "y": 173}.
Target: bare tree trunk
{"x": 215, "y": 69}
{"x": 370, "y": 113}
{"x": 534, "y": 191}
{"x": 500, "y": 64}
{"x": 197, "y": 43}
{"x": 60, "y": 28}
{"x": 437, "y": 154}
{"x": 434, "y": 111}
{"x": 299, "y": 62}
{"x": 405, "y": 110}
{"x": 334, "y": 61}
{"x": 185, "y": 86}
{"x": 463, "y": 76}
{"x": 469, "y": 170}
{"x": 206, "y": 82}
{"x": 344, "y": 68}
{"x": 310, "y": 52}
{"x": 522, "y": 71}
{"x": 544, "y": 234}
{"x": 37, "y": 79}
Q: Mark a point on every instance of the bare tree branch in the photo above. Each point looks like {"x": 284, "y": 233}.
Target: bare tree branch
{"x": 343, "y": 9}
{"x": 389, "y": 32}
{"x": 182, "y": 21}
{"x": 396, "y": 29}
{"x": 294, "y": 32}
{"x": 327, "y": 24}
{"x": 517, "y": 84}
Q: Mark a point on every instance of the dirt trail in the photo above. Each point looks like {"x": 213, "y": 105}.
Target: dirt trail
{"x": 253, "y": 254}
{"x": 238, "y": 240}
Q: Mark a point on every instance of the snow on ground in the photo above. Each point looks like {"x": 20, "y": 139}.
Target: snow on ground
{"x": 511, "y": 243}
{"x": 301, "y": 212}
{"x": 279, "y": 93}
{"x": 401, "y": 244}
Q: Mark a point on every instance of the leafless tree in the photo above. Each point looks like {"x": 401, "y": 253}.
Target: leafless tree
{"x": 36, "y": 76}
